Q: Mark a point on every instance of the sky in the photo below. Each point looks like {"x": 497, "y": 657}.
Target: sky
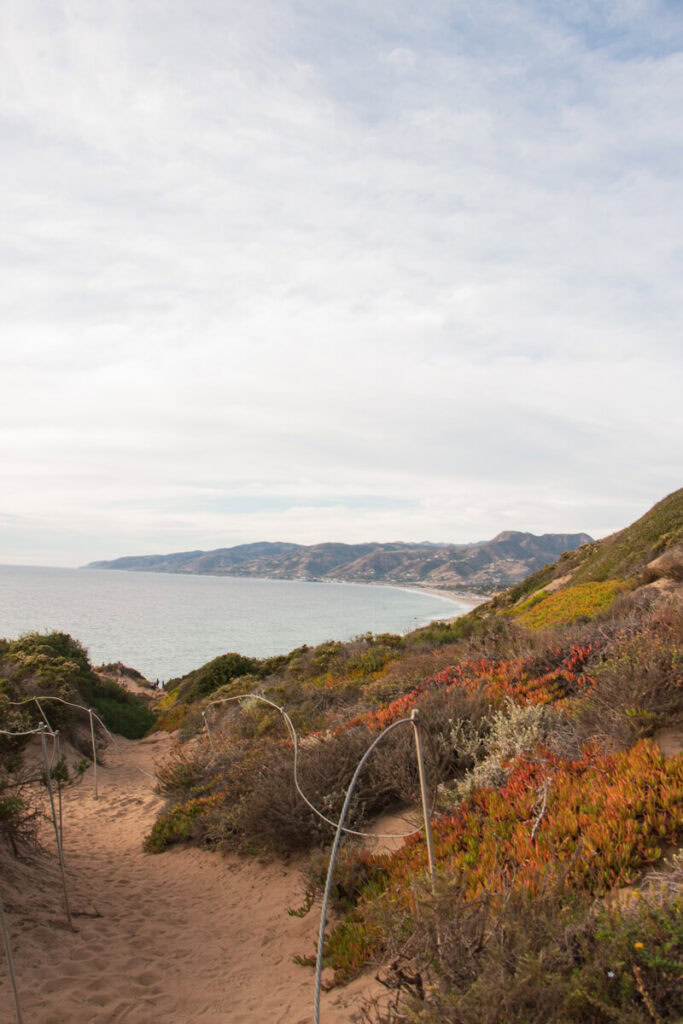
{"x": 308, "y": 270}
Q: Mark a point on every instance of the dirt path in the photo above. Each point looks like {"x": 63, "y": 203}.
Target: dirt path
{"x": 175, "y": 938}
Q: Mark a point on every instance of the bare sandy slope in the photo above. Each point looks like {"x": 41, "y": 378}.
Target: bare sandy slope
{"x": 175, "y": 938}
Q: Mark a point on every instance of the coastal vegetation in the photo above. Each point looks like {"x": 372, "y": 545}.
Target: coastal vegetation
{"x": 582, "y": 601}
{"x": 48, "y": 665}
{"x": 540, "y": 712}
{"x": 634, "y": 553}
{"x": 56, "y": 665}
{"x": 616, "y": 677}
{"x": 501, "y": 561}
{"x": 557, "y": 811}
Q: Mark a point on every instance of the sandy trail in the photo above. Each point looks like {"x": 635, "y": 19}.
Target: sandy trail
{"x": 179, "y": 937}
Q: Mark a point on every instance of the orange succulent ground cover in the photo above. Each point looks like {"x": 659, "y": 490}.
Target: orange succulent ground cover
{"x": 516, "y": 679}
{"x": 606, "y": 816}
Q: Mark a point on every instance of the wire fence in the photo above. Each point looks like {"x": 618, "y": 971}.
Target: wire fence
{"x": 297, "y": 784}
{"x": 45, "y": 730}
{"x": 339, "y": 825}
{"x": 94, "y": 717}
{"x": 26, "y": 732}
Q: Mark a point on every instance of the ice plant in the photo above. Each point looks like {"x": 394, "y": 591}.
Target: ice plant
{"x": 606, "y": 818}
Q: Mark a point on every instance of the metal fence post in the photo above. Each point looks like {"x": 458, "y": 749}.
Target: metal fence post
{"x": 208, "y": 733}
{"x": 60, "y": 853}
{"x": 424, "y": 793}
{"x": 10, "y": 963}
{"x": 58, "y": 755}
{"x": 333, "y": 857}
{"x": 94, "y": 749}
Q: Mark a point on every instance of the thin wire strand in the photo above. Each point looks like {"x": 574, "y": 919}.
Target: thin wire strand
{"x": 295, "y": 741}
{"x": 27, "y": 732}
{"x": 114, "y": 739}
{"x": 333, "y": 857}
{"x": 27, "y": 700}
{"x": 339, "y": 826}
{"x": 293, "y": 736}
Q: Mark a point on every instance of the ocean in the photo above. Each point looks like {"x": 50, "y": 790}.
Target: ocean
{"x": 165, "y": 625}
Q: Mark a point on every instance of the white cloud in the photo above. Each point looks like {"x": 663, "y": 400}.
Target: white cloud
{"x": 401, "y": 58}
{"x": 318, "y": 252}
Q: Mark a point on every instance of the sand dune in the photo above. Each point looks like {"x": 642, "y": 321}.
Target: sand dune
{"x": 179, "y": 937}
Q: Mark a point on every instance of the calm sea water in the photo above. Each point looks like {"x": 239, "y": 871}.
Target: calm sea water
{"x": 164, "y": 624}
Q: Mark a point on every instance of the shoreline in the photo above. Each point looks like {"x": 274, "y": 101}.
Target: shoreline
{"x": 161, "y": 647}
{"x": 462, "y": 596}
{"x": 470, "y": 597}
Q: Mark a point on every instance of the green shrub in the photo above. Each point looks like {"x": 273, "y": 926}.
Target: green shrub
{"x": 18, "y": 809}
{"x": 550, "y": 959}
{"x": 182, "y": 773}
{"x": 18, "y": 817}
{"x": 127, "y": 718}
{"x": 639, "y": 686}
{"x": 54, "y": 664}
{"x": 121, "y": 711}
{"x": 179, "y": 823}
{"x": 215, "y": 674}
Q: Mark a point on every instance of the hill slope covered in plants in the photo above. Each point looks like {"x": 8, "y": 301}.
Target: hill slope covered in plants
{"x": 48, "y": 666}
{"x": 483, "y": 566}
{"x": 542, "y": 712}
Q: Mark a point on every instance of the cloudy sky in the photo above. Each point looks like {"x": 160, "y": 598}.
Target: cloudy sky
{"x": 314, "y": 270}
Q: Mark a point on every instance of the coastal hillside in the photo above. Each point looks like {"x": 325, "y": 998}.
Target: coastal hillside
{"x": 552, "y": 720}
{"x": 483, "y": 566}
{"x": 578, "y": 585}
{"x": 651, "y": 545}
{"x": 187, "y": 938}
{"x": 55, "y": 668}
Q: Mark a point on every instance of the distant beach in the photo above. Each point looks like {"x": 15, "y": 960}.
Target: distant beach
{"x": 166, "y": 624}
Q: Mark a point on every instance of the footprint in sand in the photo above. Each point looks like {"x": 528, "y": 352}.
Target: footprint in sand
{"x": 148, "y": 977}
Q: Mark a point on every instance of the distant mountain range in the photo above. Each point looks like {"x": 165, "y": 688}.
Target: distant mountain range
{"x": 483, "y": 566}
